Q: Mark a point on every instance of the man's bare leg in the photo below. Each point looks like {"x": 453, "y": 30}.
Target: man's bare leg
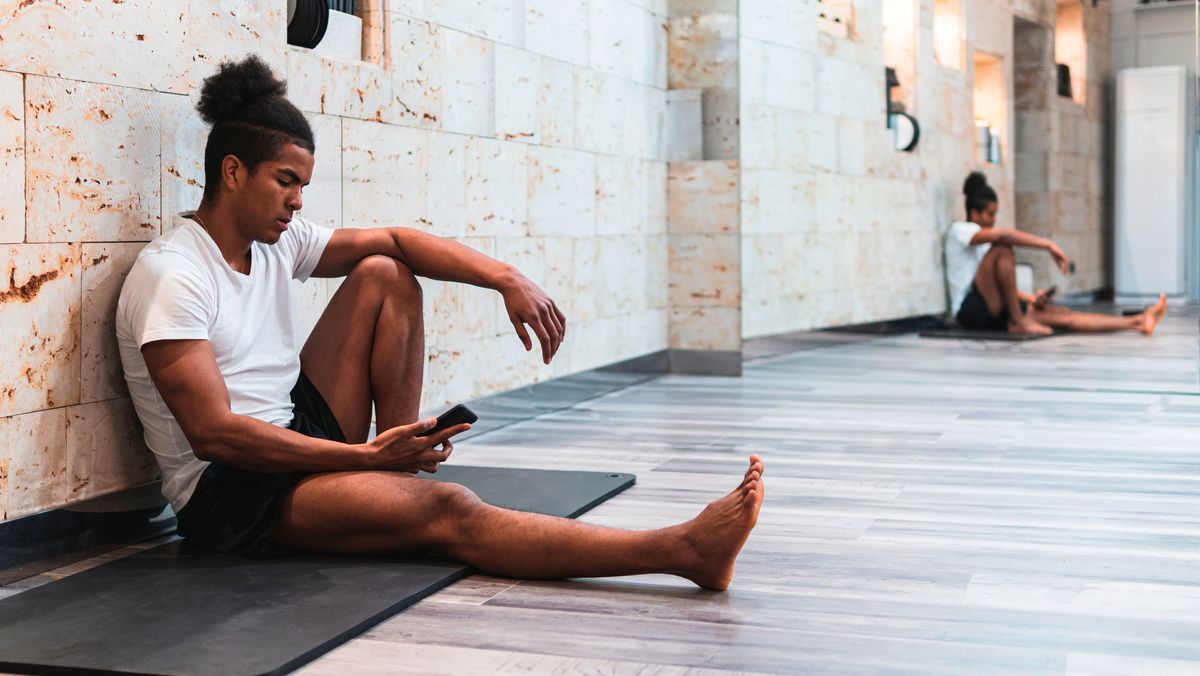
{"x": 369, "y": 347}
{"x": 996, "y": 280}
{"x": 392, "y": 512}
{"x": 1061, "y": 317}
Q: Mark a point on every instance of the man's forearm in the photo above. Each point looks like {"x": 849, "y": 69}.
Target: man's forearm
{"x": 1020, "y": 238}
{"x": 447, "y": 260}
{"x": 248, "y": 443}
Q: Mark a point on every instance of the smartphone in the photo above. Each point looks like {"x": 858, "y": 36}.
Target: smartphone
{"x": 1051, "y": 291}
{"x": 456, "y": 416}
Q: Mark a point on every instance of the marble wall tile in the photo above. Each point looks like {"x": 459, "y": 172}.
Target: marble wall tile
{"x": 447, "y": 181}
{"x": 134, "y": 43}
{"x": 502, "y": 22}
{"x": 416, "y": 69}
{"x": 182, "y": 139}
{"x": 654, "y": 191}
{"x": 705, "y": 328}
{"x": 322, "y": 199}
{"x": 556, "y": 103}
{"x": 358, "y": 89}
{"x": 702, "y": 51}
{"x": 685, "y": 135}
{"x": 468, "y": 84}
{"x": 104, "y": 449}
{"x": 479, "y": 307}
{"x": 383, "y": 175}
{"x": 36, "y": 444}
{"x": 720, "y": 124}
{"x": 590, "y": 296}
{"x": 851, "y": 145}
{"x": 620, "y": 195}
{"x": 786, "y": 23}
{"x": 625, "y": 40}
{"x": 105, "y": 266}
{"x": 703, "y": 197}
{"x": 41, "y": 307}
{"x": 562, "y": 192}
{"x": 518, "y": 87}
{"x": 776, "y": 200}
{"x": 849, "y": 89}
{"x": 309, "y": 300}
{"x": 558, "y": 29}
{"x": 92, "y": 162}
{"x": 781, "y": 76}
{"x": 12, "y": 157}
{"x": 497, "y": 189}
{"x": 705, "y": 270}
{"x": 230, "y": 30}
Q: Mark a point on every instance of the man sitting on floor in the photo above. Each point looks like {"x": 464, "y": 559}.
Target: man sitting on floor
{"x": 205, "y": 328}
{"x": 981, "y": 272}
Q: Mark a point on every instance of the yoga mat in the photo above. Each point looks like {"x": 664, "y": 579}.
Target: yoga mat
{"x": 984, "y": 335}
{"x": 175, "y": 609}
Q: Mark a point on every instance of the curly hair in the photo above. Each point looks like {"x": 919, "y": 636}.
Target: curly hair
{"x": 251, "y": 117}
{"x": 979, "y": 194}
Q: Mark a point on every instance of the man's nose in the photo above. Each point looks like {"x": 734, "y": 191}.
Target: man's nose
{"x": 295, "y": 201}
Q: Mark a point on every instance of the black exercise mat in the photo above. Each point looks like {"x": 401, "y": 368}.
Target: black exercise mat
{"x": 176, "y": 610}
{"x": 984, "y": 335}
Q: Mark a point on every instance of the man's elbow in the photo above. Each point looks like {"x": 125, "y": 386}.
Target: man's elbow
{"x": 211, "y": 443}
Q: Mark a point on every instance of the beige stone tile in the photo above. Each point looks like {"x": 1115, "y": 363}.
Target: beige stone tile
{"x": 702, "y": 51}
{"x": 703, "y": 197}
{"x": 556, "y": 103}
{"x": 309, "y": 300}
{"x": 499, "y": 21}
{"x": 497, "y": 191}
{"x": 230, "y": 30}
{"x": 105, "y": 451}
{"x": 621, "y": 200}
{"x": 480, "y": 308}
{"x": 41, "y": 307}
{"x": 785, "y": 23}
{"x": 37, "y": 461}
{"x": 12, "y": 157}
{"x": 469, "y": 85}
{"x": 518, "y": 83}
{"x": 135, "y": 43}
{"x": 654, "y": 188}
{"x": 588, "y": 298}
{"x": 705, "y": 270}
{"x": 383, "y": 175}
{"x": 447, "y": 180}
{"x": 562, "y": 192}
{"x": 417, "y": 49}
{"x": 105, "y": 266}
{"x": 705, "y": 328}
{"x": 355, "y": 89}
{"x": 323, "y": 196}
{"x": 558, "y": 29}
{"x": 624, "y": 40}
{"x": 183, "y": 137}
{"x": 720, "y": 124}
{"x": 92, "y": 162}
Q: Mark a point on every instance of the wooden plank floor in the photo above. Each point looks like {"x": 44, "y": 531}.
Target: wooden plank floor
{"x": 933, "y": 506}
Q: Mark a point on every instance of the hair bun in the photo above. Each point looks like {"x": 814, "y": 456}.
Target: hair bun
{"x": 974, "y": 182}
{"x": 235, "y": 90}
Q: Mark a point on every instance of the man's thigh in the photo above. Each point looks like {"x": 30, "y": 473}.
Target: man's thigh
{"x": 362, "y": 513}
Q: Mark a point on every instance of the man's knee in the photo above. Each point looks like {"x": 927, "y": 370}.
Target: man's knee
{"x": 1004, "y": 251}
{"x": 391, "y": 274}
{"x": 451, "y": 512}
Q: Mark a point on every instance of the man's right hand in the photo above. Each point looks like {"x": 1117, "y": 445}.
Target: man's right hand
{"x": 1060, "y": 258}
{"x": 399, "y": 449}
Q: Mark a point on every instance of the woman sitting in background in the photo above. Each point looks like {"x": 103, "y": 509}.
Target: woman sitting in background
{"x": 981, "y": 270}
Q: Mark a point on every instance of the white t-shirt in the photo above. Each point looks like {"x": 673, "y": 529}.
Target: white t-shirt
{"x": 962, "y": 261}
{"x": 179, "y": 288}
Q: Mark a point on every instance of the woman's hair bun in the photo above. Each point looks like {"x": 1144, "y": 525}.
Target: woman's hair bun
{"x": 974, "y": 182}
{"x": 235, "y": 90}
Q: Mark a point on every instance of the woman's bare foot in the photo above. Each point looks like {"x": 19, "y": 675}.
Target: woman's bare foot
{"x": 717, "y": 535}
{"x": 1153, "y": 314}
{"x": 1027, "y": 324}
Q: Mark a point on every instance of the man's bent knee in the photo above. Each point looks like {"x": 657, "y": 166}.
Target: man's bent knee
{"x": 451, "y": 514}
{"x": 392, "y": 274}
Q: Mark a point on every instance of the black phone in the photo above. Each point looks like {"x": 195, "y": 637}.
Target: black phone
{"x": 456, "y": 416}
{"x": 1051, "y": 291}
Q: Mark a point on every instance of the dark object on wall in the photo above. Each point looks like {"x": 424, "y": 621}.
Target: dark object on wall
{"x": 1064, "y": 80}
{"x": 905, "y": 130}
{"x": 343, "y": 6}
{"x": 890, "y": 80}
{"x": 174, "y": 609}
{"x": 308, "y": 23}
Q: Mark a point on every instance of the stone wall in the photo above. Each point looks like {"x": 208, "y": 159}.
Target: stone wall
{"x": 532, "y": 131}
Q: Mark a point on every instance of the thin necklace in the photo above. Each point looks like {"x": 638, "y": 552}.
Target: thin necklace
{"x": 196, "y": 217}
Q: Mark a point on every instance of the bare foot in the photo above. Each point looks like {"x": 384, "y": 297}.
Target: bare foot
{"x": 717, "y": 535}
{"x": 1153, "y": 315}
{"x": 1028, "y": 324}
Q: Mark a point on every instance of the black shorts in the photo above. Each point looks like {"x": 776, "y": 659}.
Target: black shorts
{"x": 235, "y": 510}
{"x": 973, "y": 314}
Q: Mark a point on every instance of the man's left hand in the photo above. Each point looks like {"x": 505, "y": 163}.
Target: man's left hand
{"x": 527, "y": 304}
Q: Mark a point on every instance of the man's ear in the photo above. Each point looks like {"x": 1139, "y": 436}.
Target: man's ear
{"x": 233, "y": 172}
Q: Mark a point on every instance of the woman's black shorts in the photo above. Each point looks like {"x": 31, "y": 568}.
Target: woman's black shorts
{"x": 235, "y": 510}
{"x": 973, "y": 314}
